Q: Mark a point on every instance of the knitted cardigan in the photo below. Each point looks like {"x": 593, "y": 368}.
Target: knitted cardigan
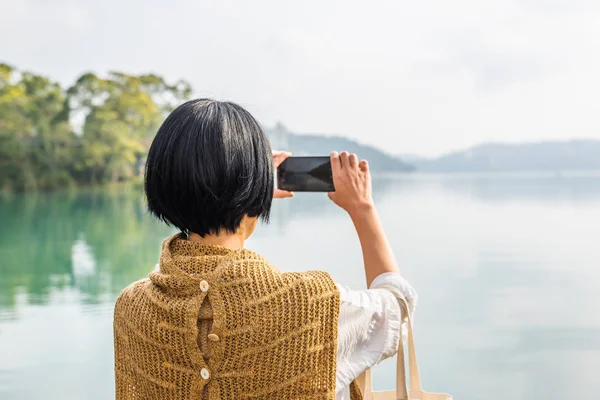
{"x": 214, "y": 323}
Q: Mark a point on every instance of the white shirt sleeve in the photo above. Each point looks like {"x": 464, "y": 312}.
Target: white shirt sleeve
{"x": 370, "y": 326}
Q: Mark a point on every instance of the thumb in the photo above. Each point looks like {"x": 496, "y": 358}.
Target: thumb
{"x": 331, "y": 195}
{"x": 282, "y": 194}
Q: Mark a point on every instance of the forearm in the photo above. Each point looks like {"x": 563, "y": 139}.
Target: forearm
{"x": 377, "y": 253}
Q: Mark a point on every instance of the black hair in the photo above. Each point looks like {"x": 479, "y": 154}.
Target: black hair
{"x": 209, "y": 165}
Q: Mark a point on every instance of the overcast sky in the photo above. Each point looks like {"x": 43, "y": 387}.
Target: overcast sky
{"x": 407, "y": 76}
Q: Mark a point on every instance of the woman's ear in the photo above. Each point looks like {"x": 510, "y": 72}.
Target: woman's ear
{"x": 249, "y": 225}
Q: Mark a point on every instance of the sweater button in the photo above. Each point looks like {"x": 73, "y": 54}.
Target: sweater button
{"x": 213, "y": 337}
{"x": 204, "y": 373}
{"x": 204, "y": 286}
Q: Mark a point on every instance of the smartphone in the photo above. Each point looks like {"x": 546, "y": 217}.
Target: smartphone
{"x": 305, "y": 174}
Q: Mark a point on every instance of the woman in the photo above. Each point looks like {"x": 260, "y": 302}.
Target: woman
{"x": 217, "y": 321}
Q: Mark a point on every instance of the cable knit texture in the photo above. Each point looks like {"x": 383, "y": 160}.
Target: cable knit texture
{"x": 214, "y": 323}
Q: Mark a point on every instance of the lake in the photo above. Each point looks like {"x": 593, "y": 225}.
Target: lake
{"x": 507, "y": 268}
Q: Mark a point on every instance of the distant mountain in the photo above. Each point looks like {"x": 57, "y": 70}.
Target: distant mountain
{"x": 322, "y": 145}
{"x": 573, "y": 155}
{"x": 412, "y": 158}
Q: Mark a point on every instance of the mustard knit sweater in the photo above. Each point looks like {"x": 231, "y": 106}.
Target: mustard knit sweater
{"x": 220, "y": 324}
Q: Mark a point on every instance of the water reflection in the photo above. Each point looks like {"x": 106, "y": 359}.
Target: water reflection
{"x": 95, "y": 241}
{"x": 99, "y": 240}
{"x": 506, "y": 267}
{"x": 537, "y": 188}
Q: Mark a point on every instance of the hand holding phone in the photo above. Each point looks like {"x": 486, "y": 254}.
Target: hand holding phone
{"x": 352, "y": 180}
{"x": 278, "y": 158}
{"x": 353, "y": 183}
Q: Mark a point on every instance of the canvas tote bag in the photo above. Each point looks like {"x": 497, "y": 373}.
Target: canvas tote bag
{"x": 402, "y": 392}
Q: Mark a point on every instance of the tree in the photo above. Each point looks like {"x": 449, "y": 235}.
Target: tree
{"x": 120, "y": 114}
{"x": 97, "y": 131}
{"x": 35, "y": 143}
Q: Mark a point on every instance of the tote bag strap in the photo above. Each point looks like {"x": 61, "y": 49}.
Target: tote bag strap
{"x": 413, "y": 368}
{"x": 401, "y": 388}
{"x": 364, "y": 381}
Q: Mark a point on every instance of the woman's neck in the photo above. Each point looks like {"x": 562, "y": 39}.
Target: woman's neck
{"x": 232, "y": 241}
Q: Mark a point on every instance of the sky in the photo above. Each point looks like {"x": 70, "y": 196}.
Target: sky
{"x": 414, "y": 77}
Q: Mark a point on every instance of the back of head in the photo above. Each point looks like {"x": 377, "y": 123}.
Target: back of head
{"x": 209, "y": 165}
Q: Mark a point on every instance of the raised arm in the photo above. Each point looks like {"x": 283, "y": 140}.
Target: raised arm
{"x": 353, "y": 193}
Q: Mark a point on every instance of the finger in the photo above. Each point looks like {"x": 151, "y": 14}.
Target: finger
{"x": 344, "y": 158}
{"x": 280, "y": 153}
{"x": 353, "y": 160}
{"x": 282, "y": 194}
{"x": 336, "y": 163}
{"x": 331, "y": 195}
{"x": 280, "y": 157}
{"x": 363, "y": 165}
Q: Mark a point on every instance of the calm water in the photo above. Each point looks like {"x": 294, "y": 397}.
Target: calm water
{"x": 507, "y": 268}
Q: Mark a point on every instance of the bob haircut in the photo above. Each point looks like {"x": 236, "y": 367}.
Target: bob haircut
{"x": 209, "y": 165}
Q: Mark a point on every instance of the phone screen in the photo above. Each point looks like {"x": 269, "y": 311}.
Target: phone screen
{"x": 305, "y": 174}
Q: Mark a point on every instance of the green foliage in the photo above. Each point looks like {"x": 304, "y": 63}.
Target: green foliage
{"x": 96, "y": 131}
